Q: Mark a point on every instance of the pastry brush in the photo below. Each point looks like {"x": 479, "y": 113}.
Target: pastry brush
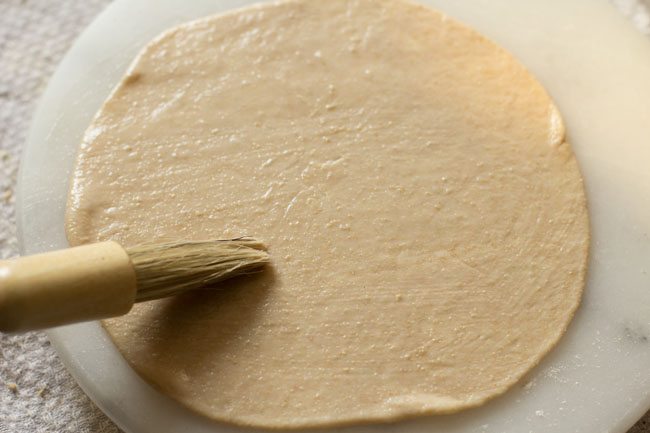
{"x": 102, "y": 280}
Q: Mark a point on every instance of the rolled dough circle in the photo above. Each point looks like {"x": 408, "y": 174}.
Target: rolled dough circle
{"x": 425, "y": 215}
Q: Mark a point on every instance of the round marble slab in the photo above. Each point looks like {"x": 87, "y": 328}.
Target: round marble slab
{"x": 595, "y": 66}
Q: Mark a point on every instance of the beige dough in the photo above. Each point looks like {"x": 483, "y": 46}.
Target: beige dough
{"x": 425, "y": 215}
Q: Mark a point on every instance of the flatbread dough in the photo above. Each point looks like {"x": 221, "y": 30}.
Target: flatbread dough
{"x": 425, "y": 215}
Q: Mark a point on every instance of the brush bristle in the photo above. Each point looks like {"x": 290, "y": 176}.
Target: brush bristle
{"x": 170, "y": 268}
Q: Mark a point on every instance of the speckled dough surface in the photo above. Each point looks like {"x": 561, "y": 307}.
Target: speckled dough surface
{"x": 426, "y": 217}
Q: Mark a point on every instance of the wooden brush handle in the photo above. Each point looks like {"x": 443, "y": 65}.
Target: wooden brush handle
{"x": 83, "y": 283}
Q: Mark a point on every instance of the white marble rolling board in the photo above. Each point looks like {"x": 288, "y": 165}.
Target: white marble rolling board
{"x": 597, "y": 68}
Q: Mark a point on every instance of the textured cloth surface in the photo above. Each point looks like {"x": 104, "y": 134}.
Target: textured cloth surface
{"x": 36, "y": 393}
